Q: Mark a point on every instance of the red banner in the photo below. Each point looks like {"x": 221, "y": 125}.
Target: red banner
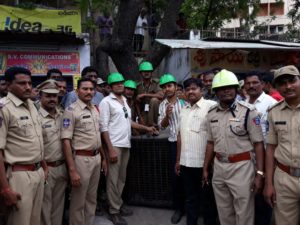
{"x": 40, "y": 62}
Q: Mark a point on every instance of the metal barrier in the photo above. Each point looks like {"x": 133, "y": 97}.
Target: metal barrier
{"x": 148, "y": 181}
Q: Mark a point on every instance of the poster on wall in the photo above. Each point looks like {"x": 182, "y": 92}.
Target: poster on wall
{"x": 241, "y": 60}
{"x": 39, "y": 20}
{"x": 40, "y": 62}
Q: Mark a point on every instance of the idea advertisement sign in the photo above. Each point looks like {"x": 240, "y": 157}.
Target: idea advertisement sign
{"x": 39, "y": 20}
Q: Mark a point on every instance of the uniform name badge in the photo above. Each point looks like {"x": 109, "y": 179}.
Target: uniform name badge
{"x": 146, "y": 109}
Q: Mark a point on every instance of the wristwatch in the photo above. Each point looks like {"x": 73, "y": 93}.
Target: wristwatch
{"x": 261, "y": 173}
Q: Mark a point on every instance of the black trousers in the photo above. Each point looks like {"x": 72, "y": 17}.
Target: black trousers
{"x": 263, "y": 212}
{"x": 196, "y": 195}
{"x": 138, "y": 41}
{"x": 177, "y": 182}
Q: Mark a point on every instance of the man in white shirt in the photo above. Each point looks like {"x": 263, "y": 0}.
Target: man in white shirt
{"x": 139, "y": 32}
{"x": 258, "y": 98}
{"x": 191, "y": 144}
{"x": 262, "y": 102}
{"x": 116, "y": 124}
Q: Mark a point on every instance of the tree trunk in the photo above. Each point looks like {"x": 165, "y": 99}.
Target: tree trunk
{"x": 168, "y": 30}
{"x": 207, "y": 15}
{"x": 119, "y": 47}
{"x": 101, "y": 63}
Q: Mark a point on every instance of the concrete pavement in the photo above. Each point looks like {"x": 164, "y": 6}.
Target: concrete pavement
{"x": 144, "y": 216}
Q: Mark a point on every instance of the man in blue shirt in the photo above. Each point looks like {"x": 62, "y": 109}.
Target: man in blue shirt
{"x": 71, "y": 97}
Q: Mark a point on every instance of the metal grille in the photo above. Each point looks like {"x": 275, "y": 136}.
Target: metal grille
{"x": 148, "y": 173}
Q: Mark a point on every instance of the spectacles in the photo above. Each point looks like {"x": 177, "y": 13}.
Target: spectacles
{"x": 125, "y": 112}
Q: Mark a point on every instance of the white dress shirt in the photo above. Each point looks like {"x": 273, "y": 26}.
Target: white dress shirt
{"x": 193, "y": 133}
{"x": 113, "y": 119}
{"x": 262, "y": 104}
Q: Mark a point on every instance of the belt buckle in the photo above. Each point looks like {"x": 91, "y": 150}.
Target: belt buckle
{"x": 224, "y": 158}
{"x": 95, "y": 152}
{"x": 37, "y": 165}
{"x": 295, "y": 172}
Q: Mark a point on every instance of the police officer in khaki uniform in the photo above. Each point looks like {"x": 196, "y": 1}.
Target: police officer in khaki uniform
{"x": 282, "y": 189}
{"x": 21, "y": 151}
{"x": 234, "y": 131}
{"x": 54, "y": 192}
{"x": 81, "y": 138}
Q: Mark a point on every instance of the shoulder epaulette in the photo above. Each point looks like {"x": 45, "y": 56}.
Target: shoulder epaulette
{"x": 275, "y": 105}
{"x": 247, "y": 105}
{"x": 212, "y": 108}
{"x": 3, "y": 102}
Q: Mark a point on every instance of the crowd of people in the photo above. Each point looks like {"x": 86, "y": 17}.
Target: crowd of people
{"x": 234, "y": 144}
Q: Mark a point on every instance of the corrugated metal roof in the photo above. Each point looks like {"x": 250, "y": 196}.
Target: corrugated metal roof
{"x": 202, "y": 44}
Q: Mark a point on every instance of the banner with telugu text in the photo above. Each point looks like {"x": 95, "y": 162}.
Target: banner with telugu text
{"x": 38, "y": 19}
{"x": 40, "y": 62}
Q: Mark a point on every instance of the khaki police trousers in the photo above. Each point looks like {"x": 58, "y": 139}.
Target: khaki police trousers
{"x": 30, "y": 184}
{"x": 116, "y": 178}
{"x": 84, "y": 198}
{"x": 54, "y": 195}
{"x": 287, "y": 208}
{"x": 232, "y": 188}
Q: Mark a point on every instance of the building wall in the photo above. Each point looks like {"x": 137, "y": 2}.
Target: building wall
{"x": 272, "y": 15}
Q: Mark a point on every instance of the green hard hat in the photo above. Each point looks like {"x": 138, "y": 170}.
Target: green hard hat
{"x": 114, "y": 78}
{"x": 224, "y": 78}
{"x": 166, "y": 78}
{"x": 146, "y": 66}
{"x": 130, "y": 84}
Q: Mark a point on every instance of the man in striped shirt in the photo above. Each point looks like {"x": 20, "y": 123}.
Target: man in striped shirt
{"x": 169, "y": 110}
{"x": 191, "y": 143}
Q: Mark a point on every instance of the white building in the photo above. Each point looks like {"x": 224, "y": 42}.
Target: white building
{"x": 271, "y": 18}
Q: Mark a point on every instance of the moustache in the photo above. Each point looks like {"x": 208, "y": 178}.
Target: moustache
{"x": 52, "y": 102}
{"x": 88, "y": 96}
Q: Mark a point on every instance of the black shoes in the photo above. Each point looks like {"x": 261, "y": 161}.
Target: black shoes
{"x": 176, "y": 217}
{"x": 117, "y": 219}
{"x": 124, "y": 211}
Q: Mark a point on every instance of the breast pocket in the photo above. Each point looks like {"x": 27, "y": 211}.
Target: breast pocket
{"x": 49, "y": 132}
{"x": 87, "y": 123}
{"x": 237, "y": 128}
{"x": 197, "y": 124}
{"x": 282, "y": 131}
{"x": 25, "y": 128}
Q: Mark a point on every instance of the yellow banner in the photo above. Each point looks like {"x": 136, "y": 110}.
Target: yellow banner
{"x": 76, "y": 77}
{"x": 37, "y": 20}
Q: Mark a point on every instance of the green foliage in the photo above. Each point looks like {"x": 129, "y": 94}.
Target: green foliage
{"x": 294, "y": 14}
{"x": 212, "y": 14}
{"x": 27, "y": 5}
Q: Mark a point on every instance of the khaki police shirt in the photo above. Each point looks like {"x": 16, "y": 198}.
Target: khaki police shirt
{"x": 224, "y": 129}
{"x": 51, "y": 135}
{"x": 21, "y": 131}
{"x": 81, "y": 125}
{"x": 284, "y": 131}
